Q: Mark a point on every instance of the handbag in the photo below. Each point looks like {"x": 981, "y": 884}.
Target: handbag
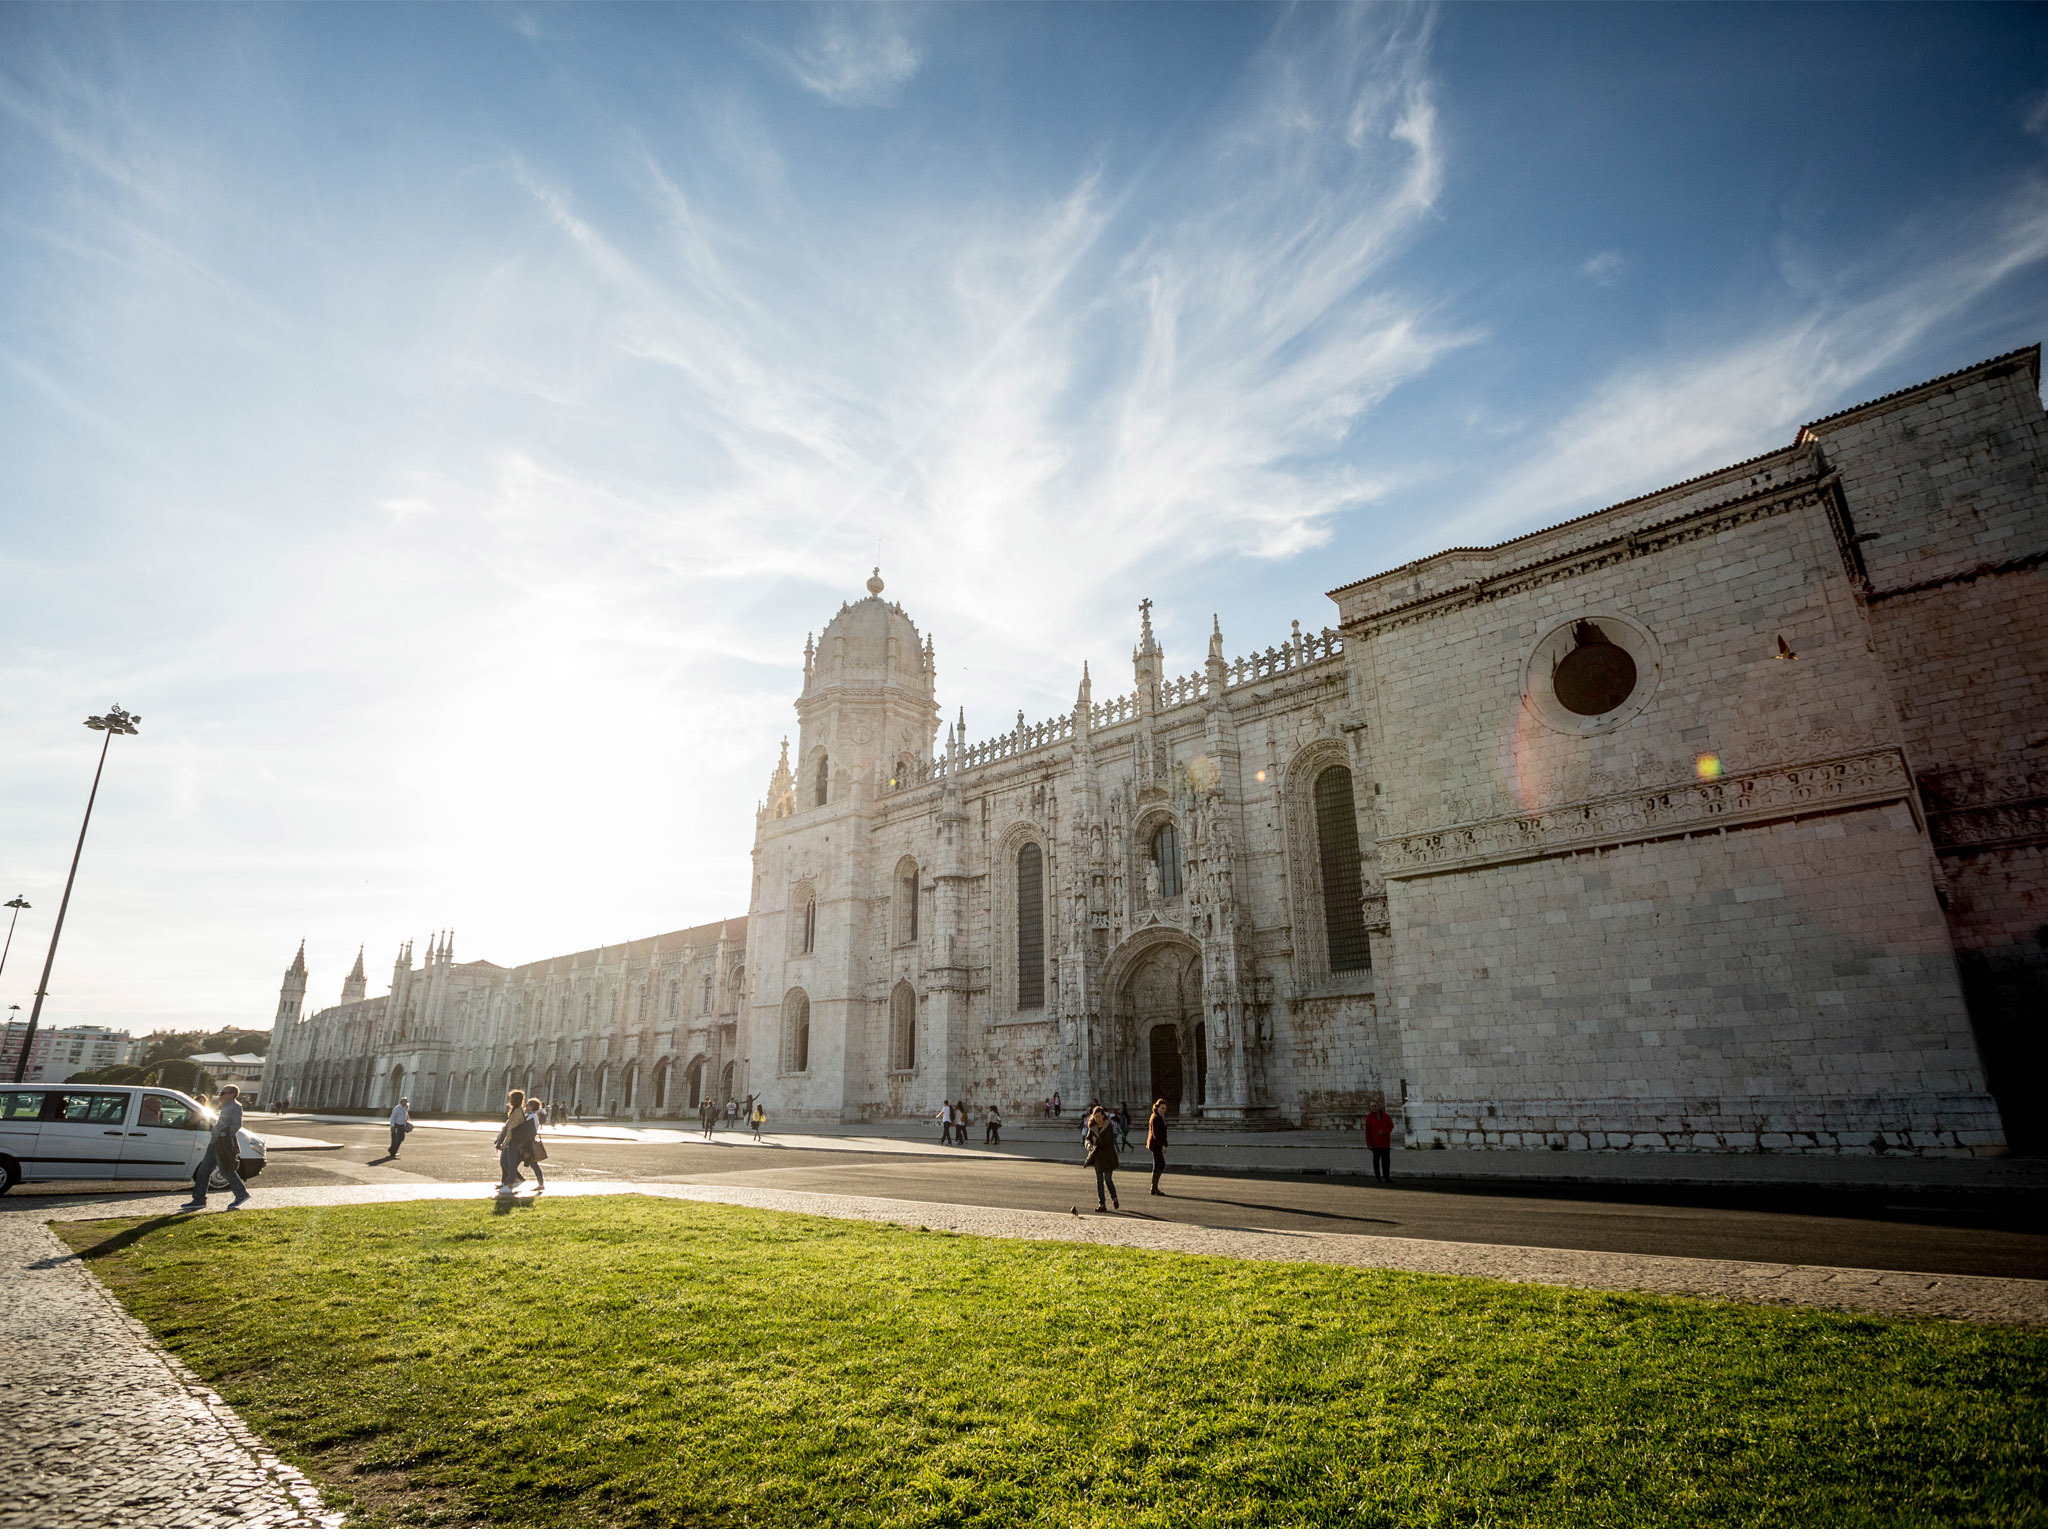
{"x": 540, "y": 1150}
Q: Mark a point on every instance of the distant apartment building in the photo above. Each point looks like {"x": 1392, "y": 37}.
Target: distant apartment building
{"x": 58, "y": 1055}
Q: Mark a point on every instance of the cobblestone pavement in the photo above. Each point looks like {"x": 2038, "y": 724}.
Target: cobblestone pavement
{"x": 1893, "y": 1293}
{"x": 103, "y": 1428}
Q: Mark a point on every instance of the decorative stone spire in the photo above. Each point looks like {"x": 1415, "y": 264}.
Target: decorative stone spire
{"x": 875, "y": 583}
{"x": 353, "y": 988}
{"x": 1147, "y": 661}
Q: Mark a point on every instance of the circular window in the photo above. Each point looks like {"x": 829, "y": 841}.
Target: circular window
{"x": 1590, "y": 675}
{"x": 1596, "y": 675}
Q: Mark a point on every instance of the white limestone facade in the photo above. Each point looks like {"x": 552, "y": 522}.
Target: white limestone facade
{"x": 1716, "y": 820}
{"x": 642, "y": 1028}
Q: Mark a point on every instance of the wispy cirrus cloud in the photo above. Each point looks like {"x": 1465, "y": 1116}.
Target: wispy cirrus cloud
{"x": 856, "y": 55}
{"x": 1137, "y": 374}
{"x": 1682, "y": 412}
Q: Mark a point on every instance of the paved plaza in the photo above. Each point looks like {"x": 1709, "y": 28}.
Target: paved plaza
{"x": 106, "y": 1429}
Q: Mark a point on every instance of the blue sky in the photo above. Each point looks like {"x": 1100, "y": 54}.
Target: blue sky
{"x": 443, "y": 425}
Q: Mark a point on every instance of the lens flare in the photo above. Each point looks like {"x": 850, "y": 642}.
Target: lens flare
{"x": 1707, "y": 766}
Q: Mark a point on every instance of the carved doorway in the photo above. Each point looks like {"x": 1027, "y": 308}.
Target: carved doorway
{"x": 1162, "y": 1046}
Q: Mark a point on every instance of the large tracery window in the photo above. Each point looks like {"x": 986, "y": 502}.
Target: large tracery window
{"x": 810, "y": 925}
{"x": 902, "y": 1028}
{"x": 796, "y": 1031}
{"x": 1343, "y": 882}
{"x": 1030, "y": 926}
{"x": 1166, "y": 856}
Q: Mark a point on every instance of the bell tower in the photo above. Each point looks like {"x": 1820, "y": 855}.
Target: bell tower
{"x": 869, "y": 706}
{"x": 291, "y": 997}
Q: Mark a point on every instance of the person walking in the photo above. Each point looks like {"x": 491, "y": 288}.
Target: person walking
{"x": 401, "y": 1123}
{"x": 732, "y": 1113}
{"x": 1056, "y": 1106}
{"x": 223, "y": 1153}
{"x": 536, "y": 1151}
{"x": 1098, "y": 1142}
{"x": 1379, "y": 1137}
{"x": 946, "y": 1123}
{"x": 1123, "y": 1127}
{"x": 1155, "y": 1141}
{"x": 708, "y": 1113}
{"x": 759, "y": 1117}
{"x": 992, "y": 1135}
{"x": 960, "y": 1124}
{"x": 514, "y": 1143}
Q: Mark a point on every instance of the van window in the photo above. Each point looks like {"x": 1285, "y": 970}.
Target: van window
{"x": 173, "y": 1113}
{"x": 21, "y": 1106}
{"x": 90, "y": 1108}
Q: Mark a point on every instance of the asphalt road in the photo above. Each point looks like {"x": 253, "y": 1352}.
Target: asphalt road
{"x": 1920, "y": 1235}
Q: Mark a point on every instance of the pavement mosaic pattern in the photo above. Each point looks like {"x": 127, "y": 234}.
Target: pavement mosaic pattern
{"x": 106, "y": 1429}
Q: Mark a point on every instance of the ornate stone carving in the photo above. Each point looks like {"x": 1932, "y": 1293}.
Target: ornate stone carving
{"x": 1769, "y": 794}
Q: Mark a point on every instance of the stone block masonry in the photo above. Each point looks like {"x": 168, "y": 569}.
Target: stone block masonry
{"x": 1716, "y": 820}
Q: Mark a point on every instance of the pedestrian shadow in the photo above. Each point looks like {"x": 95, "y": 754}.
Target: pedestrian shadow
{"x": 114, "y": 1244}
{"x": 1283, "y": 1210}
{"x": 388, "y": 1157}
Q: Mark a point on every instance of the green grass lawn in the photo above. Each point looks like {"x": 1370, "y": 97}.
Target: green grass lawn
{"x": 634, "y": 1361}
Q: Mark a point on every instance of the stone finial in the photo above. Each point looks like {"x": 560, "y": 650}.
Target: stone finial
{"x": 875, "y": 583}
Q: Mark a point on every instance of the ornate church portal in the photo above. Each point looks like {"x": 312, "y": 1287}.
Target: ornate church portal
{"x": 1162, "y": 1045}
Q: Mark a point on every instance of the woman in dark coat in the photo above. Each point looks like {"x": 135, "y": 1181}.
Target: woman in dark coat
{"x": 515, "y": 1142}
{"x": 1155, "y": 1141}
{"x": 1098, "y": 1136}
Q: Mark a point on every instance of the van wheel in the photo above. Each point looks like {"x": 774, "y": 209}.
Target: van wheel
{"x": 9, "y": 1175}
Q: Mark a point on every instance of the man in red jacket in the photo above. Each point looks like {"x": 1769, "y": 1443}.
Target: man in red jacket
{"x": 1379, "y": 1135}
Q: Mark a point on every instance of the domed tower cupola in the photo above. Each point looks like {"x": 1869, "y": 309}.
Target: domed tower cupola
{"x": 869, "y": 705}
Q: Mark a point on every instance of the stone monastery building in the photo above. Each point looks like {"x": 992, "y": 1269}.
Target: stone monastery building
{"x": 1716, "y": 819}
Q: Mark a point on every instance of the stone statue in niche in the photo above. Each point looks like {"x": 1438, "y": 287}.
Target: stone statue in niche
{"x": 1151, "y": 885}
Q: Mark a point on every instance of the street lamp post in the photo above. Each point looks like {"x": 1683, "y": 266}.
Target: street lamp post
{"x": 20, "y": 907}
{"x": 115, "y": 722}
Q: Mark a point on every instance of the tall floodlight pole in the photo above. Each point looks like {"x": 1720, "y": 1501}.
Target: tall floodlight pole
{"x": 115, "y": 722}
{"x": 20, "y": 907}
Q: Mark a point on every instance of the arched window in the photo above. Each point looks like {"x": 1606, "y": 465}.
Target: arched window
{"x": 906, "y": 901}
{"x": 1343, "y": 883}
{"x": 902, "y": 1028}
{"x": 632, "y": 1084}
{"x": 824, "y": 779}
{"x": 796, "y": 1031}
{"x": 1030, "y": 927}
{"x": 707, "y": 987}
{"x": 810, "y": 925}
{"x": 661, "y": 1084}
{"x": 1166, "y": 856}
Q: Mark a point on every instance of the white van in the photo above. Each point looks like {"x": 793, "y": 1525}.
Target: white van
{"x": 107, "y": 1131}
